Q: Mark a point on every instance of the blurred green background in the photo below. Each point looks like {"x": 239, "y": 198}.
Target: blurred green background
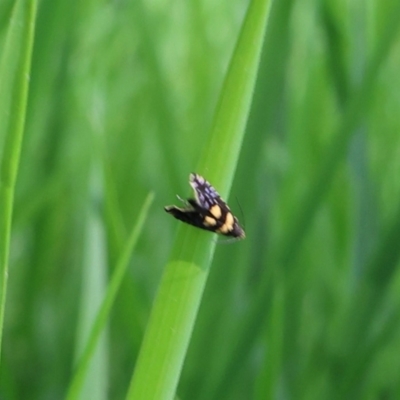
{"x": 121, "y": 101}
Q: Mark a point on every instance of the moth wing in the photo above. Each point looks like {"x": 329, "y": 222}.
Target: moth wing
{"x": 188, "y": 215}
{"x": 205, "y": 194}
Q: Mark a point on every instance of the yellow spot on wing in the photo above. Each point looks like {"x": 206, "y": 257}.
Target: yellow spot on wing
{"x": 216, "y": 211}
{"x": 209, "y": 221}
{"x": 229, "y": 220}
{"x": 228, "y": 224}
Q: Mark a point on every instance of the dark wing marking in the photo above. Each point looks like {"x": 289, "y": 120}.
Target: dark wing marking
{"x": 191, "y": 217}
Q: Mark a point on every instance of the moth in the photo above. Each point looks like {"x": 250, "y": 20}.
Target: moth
{"x": 207, "y": 210}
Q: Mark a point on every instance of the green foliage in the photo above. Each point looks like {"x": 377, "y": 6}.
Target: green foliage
{"x": 15, "y": 66}
{"x": 122, "y": 97}
{"x": 176, "y": 306}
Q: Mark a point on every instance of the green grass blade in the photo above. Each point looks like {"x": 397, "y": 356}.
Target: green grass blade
{"x": 171, "y": 322}
{"x": 94, "y": 281}
{"x": 103, "y": 314}
{"x": 14, "y": 82}
{"x": 306, "y": 207}
{"x": 367, "y": 306}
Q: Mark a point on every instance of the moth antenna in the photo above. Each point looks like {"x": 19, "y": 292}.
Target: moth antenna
{"x": 241, "y": 212}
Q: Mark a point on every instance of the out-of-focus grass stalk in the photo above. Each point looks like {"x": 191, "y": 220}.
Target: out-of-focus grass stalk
{"x": 103, "y": 314}
{"x": 306, "y": 207}
{"x": 171, "y": 322}
{"x": 14, "y": 83}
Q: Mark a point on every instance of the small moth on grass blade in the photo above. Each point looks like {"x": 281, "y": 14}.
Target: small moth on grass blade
{"x": 207, "y": 210}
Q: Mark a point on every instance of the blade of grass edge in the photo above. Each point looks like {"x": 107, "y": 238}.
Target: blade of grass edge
{"x": 112, "y": 290}
{"x": 172, "y": 318}
{"x": 14, "y": 79}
